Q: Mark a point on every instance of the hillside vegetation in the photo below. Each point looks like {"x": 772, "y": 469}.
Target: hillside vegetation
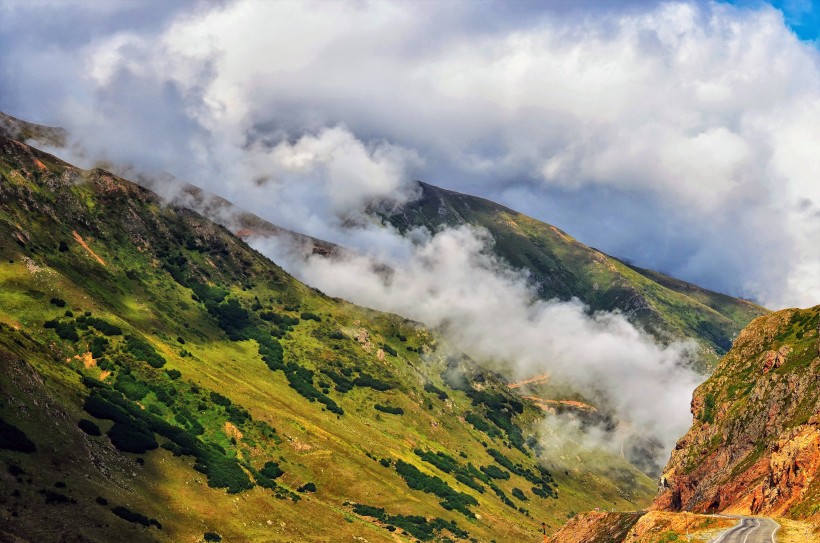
{"x": 562, "y": 267}
{"x": 161, "y": 381}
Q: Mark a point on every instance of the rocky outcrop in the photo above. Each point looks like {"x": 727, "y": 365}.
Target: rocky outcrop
{"x": 754, "y": 446}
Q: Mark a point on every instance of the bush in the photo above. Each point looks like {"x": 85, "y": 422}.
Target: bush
{"x": 430, "y": 387}
{"x": 219, "y": 399}
{"x": 212, "y": 536}
{"x": 97, "y": 347}
{"x": 518, "y": 493}
{"x": 65, "y": 330}
{"x": 131, "y": 387}
{"x": 389, "y": 409}
{"x": 14, "y": 439}
{"x": 143, "y": 351}
{"x": 450, "y": 499}
{"x": 271, "y": 470}
{"x": 495, "y": 472}
{"x": 307, "y": 487}
{"x": 127, "y": 438}
{"x": 389, "y": 350}
{"x": 231, "y": 317}
{"x": 89, "y": 427}
{"x": 173, "y": 374}
{"x": 366, "y": 380}
{"x": 103, "y": 326}
{"x": 132, "y": 516}
{"x": 57, "y": 301}
{"x": 308, "y": 316}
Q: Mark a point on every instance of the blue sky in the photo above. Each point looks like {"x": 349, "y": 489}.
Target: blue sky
{"x": 802, "y": 16}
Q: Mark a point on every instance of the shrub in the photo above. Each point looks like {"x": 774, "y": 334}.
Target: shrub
{"x": 127, "y": 438}
{"x": 366, "y": 380}
{"x": 389, "y": 409}
{"x": 271, "y": 470}
{"x": 307, "y": 487}
{"x": 89, "y": 427}
{"x": 430, "y": 387}
{"x": 308, "y": 316}
{"x": 231, "y": 317}
{"x": 131, "y": 387}
{"x": 63, "y": 247}
{"x": 57, "y": 301}
{"x": 143, "y": 351}
{"x": 98, "y": 346}
{"x": 173, "y": 374}
{"x": 450, "y": 499}
{"x": 14, "y": 439}
{"x": 135, "y": 517}
{"x": 219, "y": 399}
{"x": 65, "y": 330}
{"x": 212, "y": 536}
{"x": 495, "y": 472}
{"x": 389, "y": 350}
{"x": 518, "y": 493}
{"x": 103, "y": 326}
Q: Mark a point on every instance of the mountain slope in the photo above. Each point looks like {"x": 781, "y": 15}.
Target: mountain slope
{"x": 754, "y": 446}
{"x": 561, "y": 267}
{"x": 163, "y": 381}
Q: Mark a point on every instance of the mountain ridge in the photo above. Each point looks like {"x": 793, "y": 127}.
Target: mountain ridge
{"x": 561, "y": 267}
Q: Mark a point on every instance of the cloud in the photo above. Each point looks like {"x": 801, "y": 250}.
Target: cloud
{"x": 702, "y": 113}
{"x": 452, "y": 281}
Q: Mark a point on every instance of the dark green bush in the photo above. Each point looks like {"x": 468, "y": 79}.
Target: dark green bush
{"x": 450, "y": 498}
{"x": 219, "y": 399}
{"x": 430, "y": 387}
{"x": 103, "y": 326}
{"x": 389, "y": 350}
{"x": 518, "y": 493}
{"x": 143, "y": 351}
{"x": 212, "y": 536}
{"x": 495, "y": 472}
{"x": 65, "y": 330}
{"x": 389, "y": 409}
{"x": 366, "y": 380}
{"x": 98, "y": 346}
{"x": 57, "y": 301}
{"x": 89, "y": 427}
{"x": 14, "y": 439}
{"x": 135, "y": 517}
{"x": 131, "y": 387}
{"x": 272, "y": 470}
{"x": 173, "y": 374}
{"x": 130, "y": 439}
{"x": 308, "y": 316}
{"x": 307, "y": 487}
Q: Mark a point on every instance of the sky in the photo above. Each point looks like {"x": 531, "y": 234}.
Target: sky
{"x": 678, "y": 135}
{"x": 682, "y": 136}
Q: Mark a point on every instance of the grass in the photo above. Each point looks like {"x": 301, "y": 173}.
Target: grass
{"x": 195, "y": 386}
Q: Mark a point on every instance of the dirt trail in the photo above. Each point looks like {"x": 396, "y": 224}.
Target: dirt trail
{"x": 548, "y": 404}
{"x": 538, "y": 379}
{"x": 85, "y": 246}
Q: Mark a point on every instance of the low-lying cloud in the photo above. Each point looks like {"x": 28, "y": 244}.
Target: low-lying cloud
{"x": 453, "y": 282}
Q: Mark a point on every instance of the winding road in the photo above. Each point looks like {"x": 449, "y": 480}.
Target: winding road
{"x": 750, "y": 530}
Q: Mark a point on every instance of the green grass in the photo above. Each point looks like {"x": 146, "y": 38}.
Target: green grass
{"x": 219, "y": 415}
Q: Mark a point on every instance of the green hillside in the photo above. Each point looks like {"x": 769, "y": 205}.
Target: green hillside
{"x": 162, "y": 381}
{"x": 562, "y": 267}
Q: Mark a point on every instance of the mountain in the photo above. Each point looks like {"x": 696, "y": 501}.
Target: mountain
{"x": 754, "y": 446}
{"x": 753, "y": 449}
{"x": 162, "y": 381}
{"x": 562, "y": 267}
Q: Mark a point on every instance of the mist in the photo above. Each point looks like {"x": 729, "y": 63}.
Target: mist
{"x": 451, "y": 281}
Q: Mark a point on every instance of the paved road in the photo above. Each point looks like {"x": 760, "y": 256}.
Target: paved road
{"x": 750, "y": 530}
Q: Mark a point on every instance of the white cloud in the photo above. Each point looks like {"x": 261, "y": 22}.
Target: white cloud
{"x": 706, "y": 108}
{"x": 452, "y": 282}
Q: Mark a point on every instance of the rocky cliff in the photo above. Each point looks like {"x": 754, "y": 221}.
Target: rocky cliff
{"x": 754, "y": 446}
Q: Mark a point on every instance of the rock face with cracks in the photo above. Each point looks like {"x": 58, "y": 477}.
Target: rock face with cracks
{"x": 754, "y": 446}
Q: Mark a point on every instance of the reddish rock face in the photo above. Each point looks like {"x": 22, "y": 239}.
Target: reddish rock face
{"x": 754, "y": 446}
